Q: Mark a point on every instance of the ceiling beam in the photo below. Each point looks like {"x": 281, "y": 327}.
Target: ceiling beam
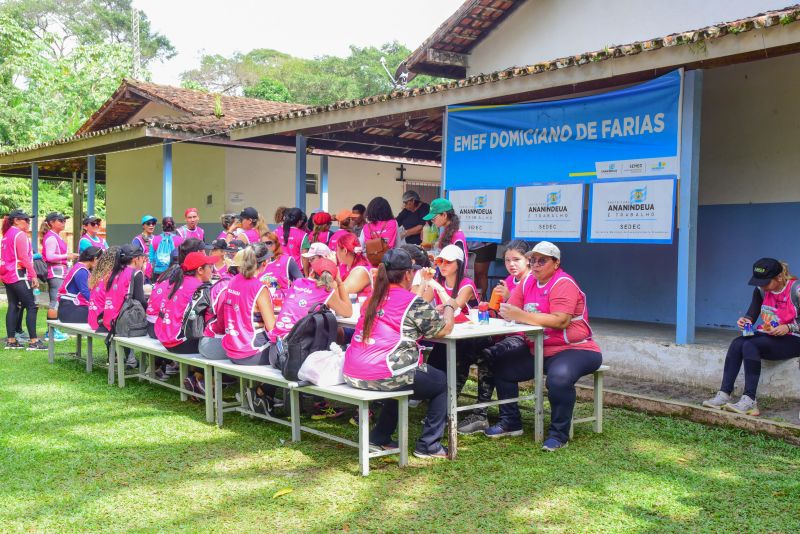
{"x": 381, "y": 141}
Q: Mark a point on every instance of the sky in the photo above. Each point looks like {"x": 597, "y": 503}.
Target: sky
{"x": 303, "y": 28}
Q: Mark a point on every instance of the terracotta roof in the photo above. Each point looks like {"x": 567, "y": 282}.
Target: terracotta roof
{"x": 458, "y": 35}
{"x": 133, "y": 95}
{"x": 768, "y": 19}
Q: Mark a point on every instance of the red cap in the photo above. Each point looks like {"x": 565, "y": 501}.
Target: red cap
{"x": 323, "y": 265}
{"x": 321, "y": 218}
{"x": 188, "y": 211}
{"x": 195, "y": 260}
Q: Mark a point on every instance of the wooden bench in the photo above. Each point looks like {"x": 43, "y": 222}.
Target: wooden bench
{"x": 79, "y": 330}
{"x": 597, "y": 415}
{"x": 150, "y": 349}
{"x": 341, "y": 393}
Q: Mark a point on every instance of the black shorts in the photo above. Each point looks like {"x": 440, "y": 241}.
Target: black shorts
{"x": 486, "y": 254}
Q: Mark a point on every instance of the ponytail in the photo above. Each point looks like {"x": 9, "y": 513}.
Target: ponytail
{"x": 453, "y": 226}
{"x": 291, "y": 217}
{"x": 43, "y": 229}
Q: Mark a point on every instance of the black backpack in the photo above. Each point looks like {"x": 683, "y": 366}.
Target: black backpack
{"x": 194, "y": 319}
{"x": 40, "y": 268}
{"x": 316, "y": 331}
{"x": 131, "y": 321}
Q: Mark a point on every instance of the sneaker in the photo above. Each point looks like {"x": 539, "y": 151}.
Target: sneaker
{"x": 413, "y": 403}
{"x": 131, "y": 362}
{"x": 473, "y": 423}
{"x": 552, "y": 445}
{"x": 172, "y": 368}
{"x": 12, "y": 345}
{"x": 59, "y": 335}
{"x": 354, "y": 419}
{"x": 745, "y": 406}
{"x": 718, "y": 401}
{"x": 161, "y": 375}
{"x": 22, "y": 336}
{"x": 190, "y": 384}
{"x": 441, "y": 452}
{"x": 329, "y": 412}
{"x": 498, "y": 431}
{"x": 36, "y": 345}
{"x": 199, "y": 386}
{"x": 257, "y": 404}
{"x": 391, "y": 444}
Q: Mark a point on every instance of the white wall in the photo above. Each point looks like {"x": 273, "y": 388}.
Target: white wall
{"x": 750, "y": 133}
{"x": 541, "y": 30}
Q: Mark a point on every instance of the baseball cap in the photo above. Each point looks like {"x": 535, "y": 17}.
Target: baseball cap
{"x": 439, "y": 205}
{"x": 323, "y": 265}
{"x": 249, "y": 213}
{"x": 55, "y": 216}
{"x": 236, "y": 244}
{"x": 397, "y": 259}
{"x": 218, "y": 244}
{"x": 451, "y": 253}
{"x": 128, "y": 252}
{"x": 321, "y": 218}
{"x": 190, "y": 210}
{"x": 317, "y": 249}
{"x": 343, "y": 215}
{"x": 410, "y": 195}
{"x": 545, "y": 248}
{"x": 18, "y": 214}
{"x": 195, "y": 260}
{"x": 149, "y": 218}
{"x": 764, "y": 270}
{"x": 90, "y": 219}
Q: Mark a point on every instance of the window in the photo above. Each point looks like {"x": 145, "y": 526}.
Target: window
{"x": 312, "y": 184}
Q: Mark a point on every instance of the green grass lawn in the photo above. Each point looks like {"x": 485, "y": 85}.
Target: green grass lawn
{"x": 77, "y": 454}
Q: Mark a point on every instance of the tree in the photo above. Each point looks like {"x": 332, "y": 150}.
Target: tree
{"x": 267, "y": 89}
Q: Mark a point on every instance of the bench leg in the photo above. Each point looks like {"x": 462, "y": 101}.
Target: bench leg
{"x": 598, "y": 403}
{"x": 89, "y": 355}
{"x": 211, "y": 393}
{"x": 182, "y": 372}
{"x": 112, "y": 361}
{"x": 151, "y": 365}
{"x": 363, "y": 437}
{"x": 120, "y": 365}
{"x": 402, "y": 431}
{"x": 78, "y": 346}
{"x": 294, "y": 413}
{"x": 51, "y": 345}
{"x": 218, "y": 397}
{"x": 572, "y": 428}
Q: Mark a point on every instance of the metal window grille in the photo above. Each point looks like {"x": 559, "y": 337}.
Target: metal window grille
{"x": 427, "y": 190}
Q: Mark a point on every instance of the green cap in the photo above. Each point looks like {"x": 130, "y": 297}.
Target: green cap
{"x": 439, "y": 205}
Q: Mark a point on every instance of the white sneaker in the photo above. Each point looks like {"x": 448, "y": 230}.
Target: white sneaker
{"x": 718, "y": 401}
{"x": 745, "y": 406}
{"x": 172, "y": 368}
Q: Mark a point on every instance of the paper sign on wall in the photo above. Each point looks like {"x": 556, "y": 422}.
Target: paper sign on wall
{"x": 639, "y": 211}
{"x": 551, "y": 212}
{"x": 482, "y": 212}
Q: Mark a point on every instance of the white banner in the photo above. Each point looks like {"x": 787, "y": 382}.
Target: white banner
{"x": 482, "y": 213}
{"x": 639, "y": 211}
{"x": 548, "y": 212}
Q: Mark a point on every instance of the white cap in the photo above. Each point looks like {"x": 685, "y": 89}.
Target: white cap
{"x": 545, "y": 248}
{"x": 317, "y": 249}
{"x": 451, "y": 253}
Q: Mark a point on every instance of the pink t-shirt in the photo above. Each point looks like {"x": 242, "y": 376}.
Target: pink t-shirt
{"x": 385, "y": 229}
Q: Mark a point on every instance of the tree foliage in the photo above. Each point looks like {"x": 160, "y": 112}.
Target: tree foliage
{"x": 321, "y": 80}
{"x": 267, "y": 89}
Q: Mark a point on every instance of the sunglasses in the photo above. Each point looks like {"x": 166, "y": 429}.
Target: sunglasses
{"x": 93, "y": 224}
{"x": 269, "y": 243}
{"x": 150, "y": 223}
{"x": 540, "y": 261}
{"x": 442, "y": 261}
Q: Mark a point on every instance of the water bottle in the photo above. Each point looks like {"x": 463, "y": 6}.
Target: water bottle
{"x": 36, "y": 292}
{"x": 748, "y": 330}
{"x": 483, "y": 313}
{"x": 277, "y": 298}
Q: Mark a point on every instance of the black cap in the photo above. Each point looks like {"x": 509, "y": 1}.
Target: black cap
{"x": 90, "y": 253}
{"x": 218, "y": 244}
{"x": 18, "y": 214}
{"x": 236, "y": 245}
{"x": 128, "y": 252}
{"x": 764, "y": 270}
{"x": 55, "y": 216}
{"x": 249, "y": 213}
{"x": 397, "y": 259}
{"x": 90, "y": 218}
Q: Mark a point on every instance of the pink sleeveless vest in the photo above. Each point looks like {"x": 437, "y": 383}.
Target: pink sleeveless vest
{"x": 215, "y": 320}
{"x": 779, "y": 307}
{"x": 77, "y": 299}
{"x": 55, "y": 268}
{"x": 238, "y": 308}
{"x": 170, "y": 320}
{"x": 8, "y": 256}
{"x": 279, "y": 270}
{"x": 197, "y": 233}
{"x": 332, "y": 244}
{"x": 323, "y": 237}
{"x": 301, "y": 298}
{"x": 98, "y": 241}
{"x": 465, "y": 282}
{"x": 157, "y": 297}
{"x": 369, "y": 359}
{"x": 292, "y": 247}
{"x": 360, "y": 263}
{"x": 97, "y": 301}
{"x": 537, "y": 299}
{"x": 115, "y": 296}
{"x": 511, "y": 283}
{"x": 251, "y": 235}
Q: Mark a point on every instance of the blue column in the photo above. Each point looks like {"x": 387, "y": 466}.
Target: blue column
{"x": 166, "y": 181}
{"x": 323, "y": 183}
{"x": 90, "y": 163}
{"x": 35, "y": 206}
{"x": 444, "y": 153}
{"x": 300, "y": 171}
{"x": 687, "y": 208}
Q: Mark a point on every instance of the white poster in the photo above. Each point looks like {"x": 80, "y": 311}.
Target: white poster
{"x": 548, "y": 212}
{"x": 482, "y": 213}
{"x": 639, "y": 211}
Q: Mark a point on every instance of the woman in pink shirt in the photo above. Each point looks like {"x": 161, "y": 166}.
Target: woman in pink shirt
{"x": 552, "y": 299}
{"x": 380, "y": 223}
{"x": 56, "y": 256}
{"x": 17, "y": 274}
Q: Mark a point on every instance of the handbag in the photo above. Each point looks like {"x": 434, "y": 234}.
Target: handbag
{"x": 376, "y": 247}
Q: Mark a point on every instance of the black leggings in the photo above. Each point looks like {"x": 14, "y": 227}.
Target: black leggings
{"x": 69, "y": 312}
{"x": 20, "y": 293}
{"x": 750, "y": 351}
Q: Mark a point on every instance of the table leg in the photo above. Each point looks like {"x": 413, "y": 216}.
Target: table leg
{"x": 211, "y": 394}
{"x": 402, "y": 432}
{"x": 363, "y": 437}
{"x": 538, "y": 357}
{"x": 452, "y": 401}
{"x": 89, "y": 354}
{"x": 51, "y": 344}
{"x": 218, "y": 398}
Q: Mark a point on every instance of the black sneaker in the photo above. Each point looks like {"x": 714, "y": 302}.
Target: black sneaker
{"x": 13, "y": 345}
{"x": 441, "y": 452}
{"x": 389, "y": 445}
{"x": 256, "y": 403}
{"x": 473, "y": 423}
{"x": 36, "y": 345}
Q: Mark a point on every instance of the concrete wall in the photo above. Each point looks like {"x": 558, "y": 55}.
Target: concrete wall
{"x": 542, "y": 30}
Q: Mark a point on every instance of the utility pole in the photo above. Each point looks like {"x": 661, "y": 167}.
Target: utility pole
{"x": 137, "y": 52}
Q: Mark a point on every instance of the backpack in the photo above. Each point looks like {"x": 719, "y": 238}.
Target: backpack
{"x": 376, "y": 247}
{"x": 316, "y": 331}
{"x": 164, "y": 253}
{"x": 131, "y": 321}
{"x": 194, "y": 320}
{"x": 40, "y": 268}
